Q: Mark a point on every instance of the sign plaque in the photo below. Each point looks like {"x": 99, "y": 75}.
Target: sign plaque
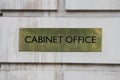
{"x": 60, "y": 39}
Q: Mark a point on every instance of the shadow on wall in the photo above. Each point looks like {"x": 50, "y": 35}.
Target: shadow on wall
{"x": 1, "y": 13}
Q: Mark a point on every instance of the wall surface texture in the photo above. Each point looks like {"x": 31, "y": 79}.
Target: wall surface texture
{"x": 15, "y": 14}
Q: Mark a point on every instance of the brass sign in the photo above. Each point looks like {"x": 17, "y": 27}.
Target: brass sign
{"x": 60, "y": 39}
